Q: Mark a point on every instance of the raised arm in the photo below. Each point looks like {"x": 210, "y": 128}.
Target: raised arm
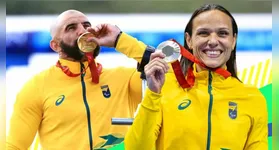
{"x": 146, "y": 126}
{"x": 111, "y": 36}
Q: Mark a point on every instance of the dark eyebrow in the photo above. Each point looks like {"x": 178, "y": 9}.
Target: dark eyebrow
{"x": 74, "y": 24}
{"x": 87, "y": 22}
{"x": 224, "y": 28}
{"x": 69, "y": 25}
{"x": 202, "y": 29}
{"x": 206, "y": 29}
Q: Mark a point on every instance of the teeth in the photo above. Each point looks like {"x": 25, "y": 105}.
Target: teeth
{"x": 213, "y": 52}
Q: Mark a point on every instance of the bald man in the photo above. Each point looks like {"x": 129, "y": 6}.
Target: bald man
{"x": 64, "y": 106}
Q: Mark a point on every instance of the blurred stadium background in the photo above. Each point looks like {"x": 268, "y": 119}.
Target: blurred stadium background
{"x": 28, "y": 51}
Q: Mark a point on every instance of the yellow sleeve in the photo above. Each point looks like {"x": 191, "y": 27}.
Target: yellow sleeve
{"x": 26, "y": 117}
{"x": 258, "y": 135}
{"x": 131, "y": 47}
{"x": 135, "y": 91}
{"x": 142, "y": 135}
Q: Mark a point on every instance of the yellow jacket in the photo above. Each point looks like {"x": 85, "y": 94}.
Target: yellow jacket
{"x": 72, "y": 113}
{"x": 215, "y": 114}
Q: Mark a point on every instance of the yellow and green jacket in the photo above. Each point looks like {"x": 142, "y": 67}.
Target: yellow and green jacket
{"x": 215, "y": 114}
{"x": 72, "y": 112}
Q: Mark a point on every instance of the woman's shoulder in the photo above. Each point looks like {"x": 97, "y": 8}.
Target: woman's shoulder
{"x": 250, "y": 91}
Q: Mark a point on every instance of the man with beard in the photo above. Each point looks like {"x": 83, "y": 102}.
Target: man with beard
{"x": 64, "y": 105}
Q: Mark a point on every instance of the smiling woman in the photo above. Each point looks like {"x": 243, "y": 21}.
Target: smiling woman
{"x": 225, "y": 113}
{"x": 213, "y": 38}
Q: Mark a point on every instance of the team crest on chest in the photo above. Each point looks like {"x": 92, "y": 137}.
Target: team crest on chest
{"x": 106, "y": 91}
{"x": 232, "y": 110}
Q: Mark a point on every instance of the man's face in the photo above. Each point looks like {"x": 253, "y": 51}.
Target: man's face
{"x": 71, "y": 51}
{"x": 71, "y": 26}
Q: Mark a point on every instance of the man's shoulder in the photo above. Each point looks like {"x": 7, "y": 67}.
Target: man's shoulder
{"x": 120, "y": 69}
{"x": 42, "y": 75}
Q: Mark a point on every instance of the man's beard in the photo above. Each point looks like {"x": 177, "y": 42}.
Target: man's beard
{"x": 74, "y": 52}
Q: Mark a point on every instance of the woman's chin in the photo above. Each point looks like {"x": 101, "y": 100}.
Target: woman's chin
{"x": 212, "y": 64}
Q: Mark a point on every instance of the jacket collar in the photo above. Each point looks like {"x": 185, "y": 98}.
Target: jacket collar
{"x": 202, "y": 76}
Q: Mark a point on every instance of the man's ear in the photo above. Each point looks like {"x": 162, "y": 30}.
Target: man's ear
{"x": 54, "y": 45}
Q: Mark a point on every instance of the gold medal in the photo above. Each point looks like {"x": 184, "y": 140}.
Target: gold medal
{"x": 170, "y": 49}
{"x": 85, "y": 46}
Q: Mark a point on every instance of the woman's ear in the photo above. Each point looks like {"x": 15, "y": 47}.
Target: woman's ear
{"x": 188, "y": 40}
{"x": 234, "y": 41}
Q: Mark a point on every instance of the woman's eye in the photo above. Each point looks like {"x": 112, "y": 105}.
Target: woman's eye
{"x": 203, "y": 33}
{"x": 223, "y": 33}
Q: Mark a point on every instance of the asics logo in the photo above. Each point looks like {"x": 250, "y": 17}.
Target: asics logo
{"x": 184, "y": 104}
{"x": 60, "y": 100}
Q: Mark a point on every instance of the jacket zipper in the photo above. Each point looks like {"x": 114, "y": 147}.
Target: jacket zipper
{"x": 86, "y": 106}
{"x": 209, "y": 111}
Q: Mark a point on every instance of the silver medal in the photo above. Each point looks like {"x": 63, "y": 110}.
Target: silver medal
{"x": 171, "y": 49}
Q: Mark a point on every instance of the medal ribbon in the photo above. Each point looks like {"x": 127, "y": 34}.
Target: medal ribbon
{"x": 190, "y": 78}
{"x": 95, "y": 70}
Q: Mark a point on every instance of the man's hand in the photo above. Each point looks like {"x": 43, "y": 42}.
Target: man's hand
{"x": 105, "y": 34}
